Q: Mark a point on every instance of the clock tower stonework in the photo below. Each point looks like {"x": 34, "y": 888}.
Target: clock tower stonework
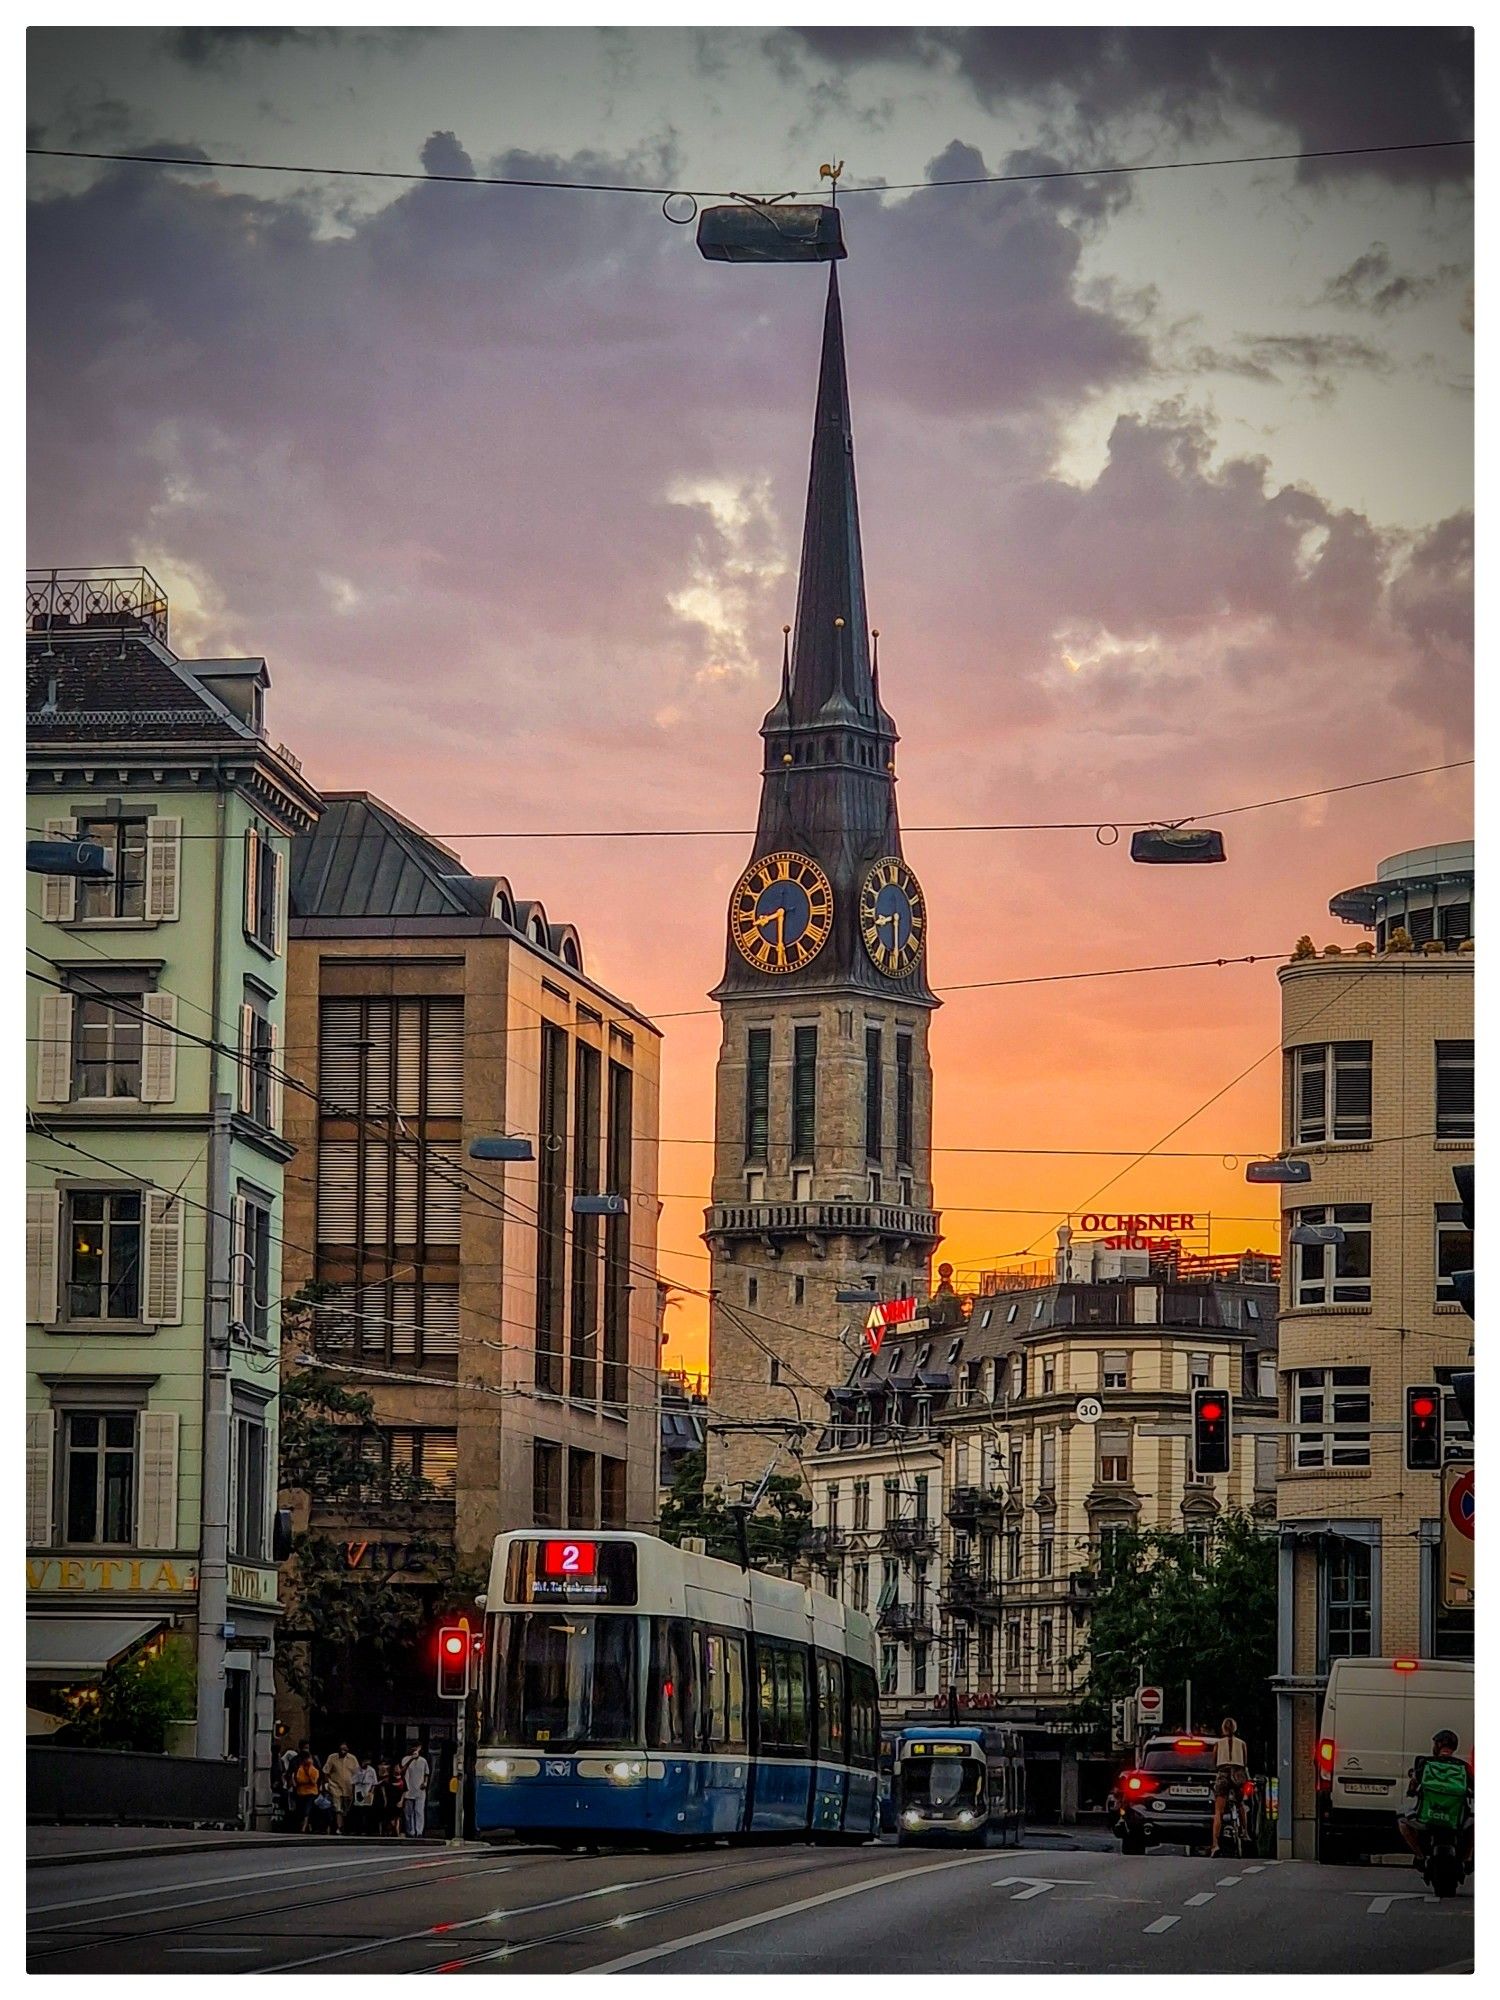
{"x": 823, "y": 1119}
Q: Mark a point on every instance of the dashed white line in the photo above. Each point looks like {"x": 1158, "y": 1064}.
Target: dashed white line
{"x": 1228, "y": 1881}
{"x": 1161, "y": 1924}
{"x": 1203, "y": 1896}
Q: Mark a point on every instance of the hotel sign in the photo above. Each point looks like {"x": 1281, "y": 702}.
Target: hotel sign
{"x": 151, "y": 1576}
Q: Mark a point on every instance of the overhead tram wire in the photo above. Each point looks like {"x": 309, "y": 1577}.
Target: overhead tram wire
{"x": 725, "y": 194}
{"x": 1094, "y": 825}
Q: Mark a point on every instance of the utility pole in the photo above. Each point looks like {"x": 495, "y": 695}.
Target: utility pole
{"x": 213, "y": 1547}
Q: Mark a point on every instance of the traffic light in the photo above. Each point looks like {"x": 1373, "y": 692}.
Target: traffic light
{"x": 1424, "y": 1428}
{"x": 454, "y": 1656}
{"x": 1211, "y": 1424}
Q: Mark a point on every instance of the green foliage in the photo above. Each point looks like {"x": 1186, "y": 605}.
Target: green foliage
{"x": 1159, "y": 1606}
{"x": 774, "y": 1533}
{"x": 349, "y": 1623}
{"x": 135, "y": 1700}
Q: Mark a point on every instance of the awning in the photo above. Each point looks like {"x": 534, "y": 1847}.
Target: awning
{"x": 63, "y": 1649}
{"x": 38, "y": 1723}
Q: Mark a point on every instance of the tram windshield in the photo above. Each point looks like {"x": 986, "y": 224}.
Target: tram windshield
{"x": 565, "y": 1680}
{"x": 940, "y": 1782}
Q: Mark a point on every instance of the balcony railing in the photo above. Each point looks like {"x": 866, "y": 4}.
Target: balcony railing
{"x": 796, "y": 1218}
{"x": 824, "y": 1544}
{"x": 907, "y": 1537}
{"x": 971, "y": 1503}
{"x": 903, "y": 1621}
{"x": 108, "y": 599}
{"x": 966, "y": 1591}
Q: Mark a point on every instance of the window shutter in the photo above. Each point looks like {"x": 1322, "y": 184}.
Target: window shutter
{"x": 42, "y": 1206}
{"x": 60, "y": 892}
{"x": 40, "y": 1428}
{"x": 252, "y": 879}
{"x": 339, "y": 1056}
{"x": 1351, "y": 1090}
{"x": 278, "y": 901}
{"x": 159, "y": 1048}
{"x": 1311, "y": 1075}
{"x": 445, "y": 1058}
{"x": 156, "y": 1515}
{"x": 239, "y": 1270}
{"x": 163, "y": 1258}
{"x": 338, "y": 1172}
{"x": 163, "y": 868}
{"x": 246, "y": 1095}
{"x": 440, "y": 1459}
{"x": 54, "y": 1048}
{"x": 445, "y": 1192}
{"x": 440, "y": 1322}
{"x": 273, "y": 1082}
{"x": 402, "y": 1326}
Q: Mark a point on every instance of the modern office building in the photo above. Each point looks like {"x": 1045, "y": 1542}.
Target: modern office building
{"x": 1378, "y": 1100}
{"x": 508, "y": 1343}
{"x": 155, "y": 1158}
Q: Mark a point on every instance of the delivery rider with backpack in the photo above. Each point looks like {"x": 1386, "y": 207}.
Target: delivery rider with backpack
{"x": 1443, "y": 1788}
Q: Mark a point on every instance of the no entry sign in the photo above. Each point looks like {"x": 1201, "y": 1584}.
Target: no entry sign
{"x": 1460, "y": 1503}
{"x": 1148, "y": 1704}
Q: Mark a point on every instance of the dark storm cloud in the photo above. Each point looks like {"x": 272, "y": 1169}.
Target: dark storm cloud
{"x": 215, "y": 48}
{"x": 1327, "y": 86}
{"x": 1373, "y": 284}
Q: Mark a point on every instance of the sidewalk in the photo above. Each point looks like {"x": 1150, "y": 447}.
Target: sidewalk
{"x": 58, "y": 1846}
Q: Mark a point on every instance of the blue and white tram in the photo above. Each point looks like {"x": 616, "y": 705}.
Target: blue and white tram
{"x": 633, "y": 1691}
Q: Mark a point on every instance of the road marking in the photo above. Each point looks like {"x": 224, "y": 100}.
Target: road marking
{"x": 1228, "y": 1881}
{"x": 218, "y": 1882}
{"x": 1203, "y": 1896}
{"x": 635, "y": 1958}
{"x": 1379, "y": 1905}
{"x": 1036, "y": 1885}
{"x": 1161, "y": 1924}
{"x": 213, "y": 1950}
{"x": 1254, "y": 1868}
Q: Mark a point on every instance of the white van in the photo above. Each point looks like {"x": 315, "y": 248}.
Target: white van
{"x": 1379, "y": 1716}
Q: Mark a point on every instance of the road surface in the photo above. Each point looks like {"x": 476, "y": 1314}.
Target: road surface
{"x": 792, "y": 1909}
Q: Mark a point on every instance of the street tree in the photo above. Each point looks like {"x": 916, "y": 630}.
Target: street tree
{"x": 774, "y": 1533}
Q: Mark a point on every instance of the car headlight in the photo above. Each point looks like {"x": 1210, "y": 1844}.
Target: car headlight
{"x": 628, "y": 1768}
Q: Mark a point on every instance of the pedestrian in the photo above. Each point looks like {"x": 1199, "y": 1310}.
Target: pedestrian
{"x": 325, "y": 1813}
{"x": 414, "y": 1777}
{"x": 306, "y": 1778}
{"x": 365, "y": 1781}
{"x": 390, "y": 1792}
{"x": 339, "y": 1774}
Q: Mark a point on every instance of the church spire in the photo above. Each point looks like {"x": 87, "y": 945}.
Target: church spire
{"x": 831, "y": 662}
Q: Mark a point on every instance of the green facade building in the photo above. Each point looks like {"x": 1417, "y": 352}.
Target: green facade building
{"x": 155, "y": 1160}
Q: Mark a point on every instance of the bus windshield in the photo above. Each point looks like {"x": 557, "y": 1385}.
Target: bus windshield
{"x": 566, "y": 1680}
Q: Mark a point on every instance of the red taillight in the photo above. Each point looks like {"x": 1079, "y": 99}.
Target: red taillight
{"x": 1324, "y": 1762}
{"x": 1248, "y": 1788}
{"x": 1137, "y": 1782}
{"x": 1190, "y": 1743}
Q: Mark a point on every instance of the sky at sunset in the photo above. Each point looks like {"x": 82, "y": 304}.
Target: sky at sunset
{"x": 1165, "y": 482}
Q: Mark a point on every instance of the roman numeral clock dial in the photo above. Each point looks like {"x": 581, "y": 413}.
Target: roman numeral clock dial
{"x": 781, "y": 912}
{"x": 892, "y": 917}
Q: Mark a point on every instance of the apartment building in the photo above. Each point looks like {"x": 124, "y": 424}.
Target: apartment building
{"x": 1378, "y": 1100}
{"x": 155, "y": 1157}
{"x": 509, "y": 1343}
{"x": 965, "y": 1486}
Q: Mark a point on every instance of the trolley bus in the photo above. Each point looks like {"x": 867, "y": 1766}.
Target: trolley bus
{"x": 956, "y": 1784}
{"x": 634, "y": 1692}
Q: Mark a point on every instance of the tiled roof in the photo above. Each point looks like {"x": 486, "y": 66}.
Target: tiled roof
{"x": 118, "y": 688}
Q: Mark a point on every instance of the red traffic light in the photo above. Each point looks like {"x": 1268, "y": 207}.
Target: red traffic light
{"x": 1423, "y": 1406}
{"x": 454, "y": 1658}
{"x": 1424, "y": 1428}
{"x": 1210, "y": 1412}
{"x": 453, "y": 1645}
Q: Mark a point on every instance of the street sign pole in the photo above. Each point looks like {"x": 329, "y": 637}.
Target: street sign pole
{"x": 458, "y": 1776}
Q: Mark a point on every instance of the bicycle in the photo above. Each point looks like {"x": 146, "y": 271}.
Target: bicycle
{"x": 1234, "y": 1829}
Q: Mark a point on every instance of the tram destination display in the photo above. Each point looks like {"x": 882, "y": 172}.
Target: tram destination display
{"x": 560, "y": 1569}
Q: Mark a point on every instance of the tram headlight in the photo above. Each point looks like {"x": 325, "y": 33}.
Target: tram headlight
{"x": 911, "y": 1819}
{"x": 966, "y": 1818}
{"x": 628, "y": 1768}
{"x": 497, "y": 1767}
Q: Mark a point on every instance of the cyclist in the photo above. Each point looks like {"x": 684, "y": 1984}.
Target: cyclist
{"x": 1231, "y": 1773}
{"x": 1443, "y": 1788}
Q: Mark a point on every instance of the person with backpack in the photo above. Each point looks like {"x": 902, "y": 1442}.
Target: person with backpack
{"x": 1443, "y": 1787}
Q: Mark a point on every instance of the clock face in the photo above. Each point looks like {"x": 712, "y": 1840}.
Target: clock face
{"x": 781, "y": 912}
{"x": 892, "y": 916}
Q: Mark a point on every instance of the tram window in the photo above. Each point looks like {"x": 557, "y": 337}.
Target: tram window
{"x": 669, "y": 1721}
{"x": 723, "y": 1692}
{"x": 783, "y": 1697}
{"x": 864, "y": 1716}
{"x": 831, "y": 1740}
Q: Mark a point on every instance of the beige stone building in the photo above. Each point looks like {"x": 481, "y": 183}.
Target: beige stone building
{"x": 509, "y": 1344}
{"x": 1378, "y": 1099}
{"x": 961, "y": 1497}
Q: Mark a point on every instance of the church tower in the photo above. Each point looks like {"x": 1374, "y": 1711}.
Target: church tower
{"x": 823, "y": 1124}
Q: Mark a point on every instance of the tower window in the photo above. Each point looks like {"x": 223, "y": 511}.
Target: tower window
{"x": 757, "y": 1092}
{"x": 799, "y": 1290}
{"x": 903, "y": 1099}
{"x": 873, "y": 1105}
{"x": 754, "y": 1291}
{"x": 804, "y": 1091}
